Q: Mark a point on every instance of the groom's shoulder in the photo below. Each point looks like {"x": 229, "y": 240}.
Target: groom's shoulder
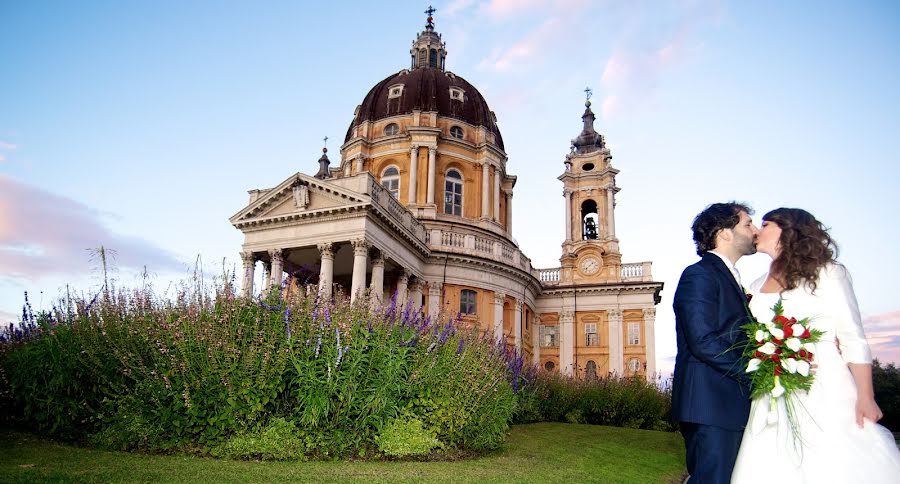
{"x": 705, "y": 264}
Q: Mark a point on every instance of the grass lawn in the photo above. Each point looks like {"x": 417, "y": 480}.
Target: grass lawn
{"x": 542, "y": 452}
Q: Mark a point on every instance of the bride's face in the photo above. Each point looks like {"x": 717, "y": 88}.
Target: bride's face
{"x": 767, "y": 240}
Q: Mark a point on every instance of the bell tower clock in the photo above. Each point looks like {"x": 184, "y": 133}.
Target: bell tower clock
{"x": 590, "y": 250}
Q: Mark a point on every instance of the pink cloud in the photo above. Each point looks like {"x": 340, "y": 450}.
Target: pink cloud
{"x": 883, "y": 333}
{"x": 7, "y": 146}
{"x": 526, "y": 49}
{"x": 43, "y": 234}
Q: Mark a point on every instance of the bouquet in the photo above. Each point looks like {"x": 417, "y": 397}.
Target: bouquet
{"x": 780, "y": 355}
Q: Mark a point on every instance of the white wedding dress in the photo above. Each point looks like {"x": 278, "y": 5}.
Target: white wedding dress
{"x": 828, "y": 446}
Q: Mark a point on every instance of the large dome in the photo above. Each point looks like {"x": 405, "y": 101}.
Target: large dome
{"x": 426, "y": 89}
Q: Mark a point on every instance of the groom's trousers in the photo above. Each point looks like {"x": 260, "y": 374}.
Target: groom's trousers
{"x": 711, "y": 452}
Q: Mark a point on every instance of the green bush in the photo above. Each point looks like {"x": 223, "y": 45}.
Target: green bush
{"x": 279, "y": 440}
{"x": 886, "y": 381}
{"x": 406, "y": 436}
{"x": 631, "y": 402}
{"x": 206, "y": 373}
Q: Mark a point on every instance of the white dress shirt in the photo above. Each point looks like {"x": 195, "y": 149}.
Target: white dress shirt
{"x": 730, "y": 266}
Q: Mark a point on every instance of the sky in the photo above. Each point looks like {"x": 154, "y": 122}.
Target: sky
{"x": 140, "y": 126}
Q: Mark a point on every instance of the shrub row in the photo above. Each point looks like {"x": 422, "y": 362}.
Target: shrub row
{"x": 282, "y": 377}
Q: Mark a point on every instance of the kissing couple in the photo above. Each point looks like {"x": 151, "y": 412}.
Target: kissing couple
{"x": 829, "y": 433}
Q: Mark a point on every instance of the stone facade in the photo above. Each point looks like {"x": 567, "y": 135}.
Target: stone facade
{"x": 420, "y": 205}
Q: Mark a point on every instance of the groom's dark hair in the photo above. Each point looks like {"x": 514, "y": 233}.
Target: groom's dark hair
{"x": 714, "y": 218}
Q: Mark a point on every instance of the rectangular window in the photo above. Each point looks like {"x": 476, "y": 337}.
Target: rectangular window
{"x": 591, "y": 338}
{"x": 467, "y": 301}
{"x": 549, "y": 336}
{"x": 634, "y": 333}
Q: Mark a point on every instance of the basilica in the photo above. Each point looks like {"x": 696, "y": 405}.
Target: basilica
{"x": 420, "y": 207}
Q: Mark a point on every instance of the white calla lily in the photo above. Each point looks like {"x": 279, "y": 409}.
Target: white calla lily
{"x": 803, "y": 368}
{"x": 753, "y": 365}
{"x": 777, "y": 333}
{"x": 768, "y": 348}
{"x": 811, "y": 347}
{"x": 778, "y": 390}
{"x": 798, "y": 329}
{"x": 793, "y": 343}
{"x": 789, "y": 364}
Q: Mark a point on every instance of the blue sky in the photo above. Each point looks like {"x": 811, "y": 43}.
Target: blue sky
{"x": 140, "y": 125}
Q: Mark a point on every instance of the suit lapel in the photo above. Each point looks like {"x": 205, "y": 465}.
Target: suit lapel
{"x": 724, "y": 272}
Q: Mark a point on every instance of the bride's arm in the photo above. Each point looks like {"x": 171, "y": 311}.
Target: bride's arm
{"x": 865, "y": 394}
{"x": 852, "y": 340}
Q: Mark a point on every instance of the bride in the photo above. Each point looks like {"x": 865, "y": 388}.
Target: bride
{"x": 828, "y": 434}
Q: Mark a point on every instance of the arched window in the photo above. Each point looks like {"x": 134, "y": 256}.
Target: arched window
{"x": 453, "y": 193}
{"x": 590, "y": 370}
{"x": 390, "y": 180}
{"x": 467, "y": 304}
{"x": 549, "y": 366}
{"x": 432, "y": 58}
{"x": 589, "y": 219}
{"x": 456, "y": 132}
{"x": 634, "y": 365}
{"x": 391, "y": 129}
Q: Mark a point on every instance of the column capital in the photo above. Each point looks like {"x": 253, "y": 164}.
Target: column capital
{"x": 360, "y": 246}
{"x": 432, "y": 150}
{"x": 435, "y": 286}
{"x": 499, "y": 298}
{"x": 248, "y": 258}
{"x": 414, "y": 147}
{"x": 567, "y": 192}
{"x": 649, "y": 314}
{"x": 614, "y": 314}
{"x": 326, "y": 249}
{"x": 377, "y": 258}
{"x": 415, "y": 284}
{"x": 566, "y": 316}
{"x": 403, "y": 277}
{"x": 277, "y": 255}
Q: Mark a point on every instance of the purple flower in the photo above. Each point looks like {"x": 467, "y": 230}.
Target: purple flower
{"x": 327, "y": 317}
{"x": 445, "y": 333}
{"x": 460, "y": 347}
{"x": 287, "y": 323}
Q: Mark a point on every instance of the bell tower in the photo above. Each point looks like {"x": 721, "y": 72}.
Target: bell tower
{"x": 590, "y": 252}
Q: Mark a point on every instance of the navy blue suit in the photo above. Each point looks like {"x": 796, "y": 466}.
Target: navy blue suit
{"x": 710, "y": 392}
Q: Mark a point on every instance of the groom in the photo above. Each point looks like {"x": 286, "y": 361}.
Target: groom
{"x": 710, "y": 393}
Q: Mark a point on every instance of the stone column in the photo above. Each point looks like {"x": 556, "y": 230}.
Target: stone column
{"x": 402, "y": 282}
{"x": 616, "y": 348}
{"x": 434, "y": 298}
{"x": 376, "y": 288}
{"x": 485, "y": 190}
{"x": 567, "y": 342}
{"x": 267, "y": 274}
{"x": 413, "y": 173}
{"x": 650, "y": 341}
{"x": 610, "y": 211}
{"x": 509, "y": 195}
{"x": 249, "y": 261}
{"x": 276, "y": 256}
{"x": 415, "y": 294}
{"x": 360, "y": 160}
{"x": 432, "y": 176}
{"x": 497, "y": 194}
{"x": 536, "y": 340}
{"x": 360, "y": 260}
{"x": 567, "y": 194}
{"x": 517, "y": 324}
{"x": 326, "y": 271}
{"x": 499, "y": 297}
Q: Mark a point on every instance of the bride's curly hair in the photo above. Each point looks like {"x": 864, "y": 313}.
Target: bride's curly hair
{"x": 806, "y": 247}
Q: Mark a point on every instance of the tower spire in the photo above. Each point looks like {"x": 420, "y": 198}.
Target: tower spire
{"x": 428, "y": 50}
{"x": 324, "y": 172}
{"x": 589, "y": 140}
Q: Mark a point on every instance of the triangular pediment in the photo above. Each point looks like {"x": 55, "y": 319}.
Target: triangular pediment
{"x": 299, "y": 195}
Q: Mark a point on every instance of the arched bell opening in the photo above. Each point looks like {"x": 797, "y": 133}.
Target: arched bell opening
{"x": 589, "y": 220}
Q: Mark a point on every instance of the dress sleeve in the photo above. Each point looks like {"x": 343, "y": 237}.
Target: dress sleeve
{"x": 845, "y": 310}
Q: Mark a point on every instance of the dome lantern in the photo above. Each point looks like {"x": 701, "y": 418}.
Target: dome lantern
{"x": 428, "y": 50}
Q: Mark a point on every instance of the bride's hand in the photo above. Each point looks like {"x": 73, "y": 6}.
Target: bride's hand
{"x": 867, "y": 408}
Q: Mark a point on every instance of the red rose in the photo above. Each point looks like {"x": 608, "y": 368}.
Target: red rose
{"x": 793, "y": 320}
{"x": 788, "y": 331}
{"x": 805, "y": 333}
{"x": 780, "y": 319}
{"x": 802, "y": 353}
{"x": 776, "y": 358}
{"x": 777, "y": 370}
{"x": 776, "y": 341}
